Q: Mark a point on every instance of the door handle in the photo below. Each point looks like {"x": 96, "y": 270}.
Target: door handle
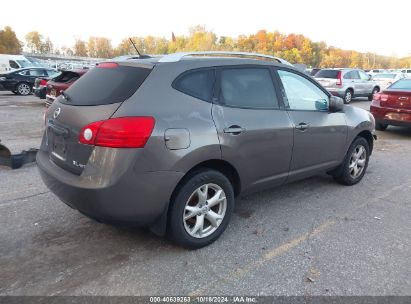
{"x": 235, "y": 130}
{"x": 302, "y": 126}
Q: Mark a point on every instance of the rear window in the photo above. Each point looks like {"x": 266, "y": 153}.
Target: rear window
{"x": 333, "y": 74}
{"x": 103, "y": 85}
{"x": 198, "y": 84}
{"x": 403, "y": 84}
{"x": 66, "y": 76}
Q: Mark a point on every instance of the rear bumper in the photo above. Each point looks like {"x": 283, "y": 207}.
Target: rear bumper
{"x": 137, "y": 199}
{"x": 336, "y": 92}
{"x": 391, "y": 116}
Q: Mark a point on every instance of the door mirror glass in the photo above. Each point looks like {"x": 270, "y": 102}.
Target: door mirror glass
{"x": 336, "y": 104}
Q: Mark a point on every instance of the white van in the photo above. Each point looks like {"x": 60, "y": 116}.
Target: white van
{"x": 12, "y": 62}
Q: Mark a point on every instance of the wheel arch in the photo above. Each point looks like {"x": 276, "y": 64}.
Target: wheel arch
{"x": 222, "y": 166}
{"x": 367, "y": 135}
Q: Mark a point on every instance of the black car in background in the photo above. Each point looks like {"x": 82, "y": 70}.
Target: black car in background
{"x": 21, "y": 81}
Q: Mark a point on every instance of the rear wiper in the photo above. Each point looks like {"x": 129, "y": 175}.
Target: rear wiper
{"x": 65, "y": 96}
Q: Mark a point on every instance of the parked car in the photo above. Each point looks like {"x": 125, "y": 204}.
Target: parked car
{"x": 169, "y": 143}
{"x": 40, "y": 85}
{"x": 375, "y": 71}
{"x": 13, "y": 62}
{"x": 314, "y": 71}
{"x": 386, "y": 79}
{"x": 60, "y": 83}
{"x": 393, "y": 105}
{"x": 407, "y": 73}
{"x": 21, "y": 81}
{"x": 347, "y": 83}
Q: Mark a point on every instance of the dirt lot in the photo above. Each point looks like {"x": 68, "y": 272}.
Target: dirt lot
{"x": 313, "y": 237}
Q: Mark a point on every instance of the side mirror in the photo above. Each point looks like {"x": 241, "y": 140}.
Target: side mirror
{"x": 336, "y": 104}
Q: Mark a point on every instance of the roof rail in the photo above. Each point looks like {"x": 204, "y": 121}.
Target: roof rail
{"x": 175, "y": 57}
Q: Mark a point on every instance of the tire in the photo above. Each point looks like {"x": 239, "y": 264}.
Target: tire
{"x": 346, "y": 174}
{"x": 380, "y": 126}
{"x": 374, "y": 91}
{"x": 23, "y": 89}
{"x": 348, "y": 96}
{"x": 184, "y": 226}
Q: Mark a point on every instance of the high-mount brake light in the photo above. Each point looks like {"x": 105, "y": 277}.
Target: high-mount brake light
{"x": 107, "y": 65}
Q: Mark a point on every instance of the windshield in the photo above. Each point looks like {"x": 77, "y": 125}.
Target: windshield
{"x": 403, "y": 84}
{"x": 24, "y": 63}
{"x": 391, "y": 76}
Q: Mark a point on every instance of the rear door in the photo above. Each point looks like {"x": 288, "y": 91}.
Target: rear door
{"x": 255, "y": 133}
{"x": 94, "y": 97}
{"x": 366, "y": 83}
{"x": 319, "y": 136}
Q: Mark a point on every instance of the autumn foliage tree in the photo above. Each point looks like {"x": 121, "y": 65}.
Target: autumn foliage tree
{"x": 9, "y": 44}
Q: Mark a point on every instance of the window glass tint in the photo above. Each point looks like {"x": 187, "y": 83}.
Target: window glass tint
{"x": 53, "y": 73}
{"x": 24, "y": 73}
{"x": 302, "y": 94}
{"x": 364, "y": 76}
{"x": 37, "y": 72}
{"x": 355, "y": 75}
{"x": 248, "y": 87}
{"x": 13, "y": 64}
{"x": 197, "y": 83}
{"x": 333, "y": 74}
{"x": 402, "y": 84}
{"x": 347, "y": 75}
{"x": 103, "y": 85}
{"x": 66, "y": 76}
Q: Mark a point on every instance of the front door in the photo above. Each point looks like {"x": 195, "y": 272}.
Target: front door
{"x": 255, "y": 134}
{"x": 319, "y": 136}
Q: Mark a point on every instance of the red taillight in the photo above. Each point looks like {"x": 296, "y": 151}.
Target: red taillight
{"x": 43, "y": 82}
{"x": 122, "y": 132}
{"x": 377, "y": 97}
{"x": 339, "y": 78}
{"x": 108, "y": 65}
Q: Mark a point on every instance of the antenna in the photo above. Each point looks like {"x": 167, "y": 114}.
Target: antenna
{"x": 134, "y": 45}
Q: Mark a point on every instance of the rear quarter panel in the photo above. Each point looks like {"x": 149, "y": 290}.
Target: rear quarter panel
{"x": 172, "y": 110}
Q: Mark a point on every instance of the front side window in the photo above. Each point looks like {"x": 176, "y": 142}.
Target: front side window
{"x": 248, "y": 88}
{"x": 364, "y": 76}
{"x": 198, "y": 84}
{"x": 302, "y": 94}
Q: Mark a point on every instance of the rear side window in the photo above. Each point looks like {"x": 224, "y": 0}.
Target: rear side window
{"x": 198, "y": 84}
{"x": 106, "y": 85}
{"x": 332, "y": 74}
{"x": 248, "y": 88}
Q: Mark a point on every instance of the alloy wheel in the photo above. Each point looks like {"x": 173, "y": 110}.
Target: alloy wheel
{"x": 357, "y": 161}
{"x": 24, "y": 89}
{"x": 204, "y": 210}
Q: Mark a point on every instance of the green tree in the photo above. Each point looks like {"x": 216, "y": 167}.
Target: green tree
{"x": 9, "y": 44}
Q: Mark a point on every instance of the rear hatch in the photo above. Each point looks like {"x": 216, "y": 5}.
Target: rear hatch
{"x": 93, "y": 98}
{"x": 328, "y": 78}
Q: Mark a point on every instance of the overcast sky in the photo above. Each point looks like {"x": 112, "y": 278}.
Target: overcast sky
{"x": 364, "y": 25}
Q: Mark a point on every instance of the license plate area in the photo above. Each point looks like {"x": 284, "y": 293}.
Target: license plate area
{"x": 57, "y": 144}
{"x": 53, "y": 93}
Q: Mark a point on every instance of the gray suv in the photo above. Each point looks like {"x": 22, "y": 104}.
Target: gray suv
{"x": 348, "y": 83}
{"x": 169, "y": 142}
